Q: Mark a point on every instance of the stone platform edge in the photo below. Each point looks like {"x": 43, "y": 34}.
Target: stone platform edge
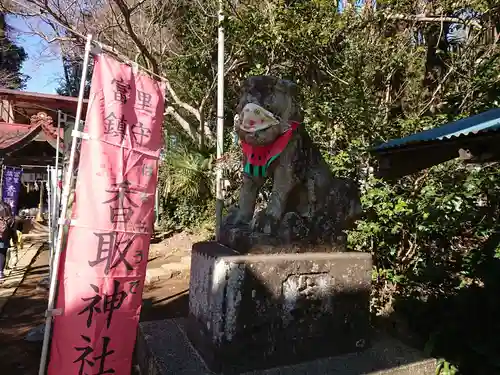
{"x": 163, "y": 349}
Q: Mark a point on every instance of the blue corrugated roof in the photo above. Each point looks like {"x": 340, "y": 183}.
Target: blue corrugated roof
{"x": 484, "y": 122}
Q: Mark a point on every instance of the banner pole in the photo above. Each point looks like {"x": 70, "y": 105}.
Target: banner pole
{"x": 56, "y": 198}
{"x": 54, "y": 206}
{"x": 1, "y": 181}
{"x": 64, "y": 210}
{"x": 49, "y": 205}
{"x": 219, "y": 205}
{"x": 157, "y": 204}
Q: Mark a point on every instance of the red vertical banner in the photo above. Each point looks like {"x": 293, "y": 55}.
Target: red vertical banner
{"x": 104, "y": 264}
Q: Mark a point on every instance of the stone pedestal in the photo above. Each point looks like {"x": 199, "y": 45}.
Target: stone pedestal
{"x": 251, "y": 312}
{"x": 163, "y": 349}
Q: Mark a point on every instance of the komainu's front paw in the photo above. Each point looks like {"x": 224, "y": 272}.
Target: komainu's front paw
{"x": 236, "y": 217}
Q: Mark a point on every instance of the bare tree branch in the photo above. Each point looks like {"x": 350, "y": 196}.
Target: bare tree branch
{"x": 142, "y": 48}
{"x": 185, "y": 125}
{"x": 143, "y": 31}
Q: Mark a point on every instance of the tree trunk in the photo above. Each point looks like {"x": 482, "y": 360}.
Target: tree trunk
{"x": 437, "y": 54}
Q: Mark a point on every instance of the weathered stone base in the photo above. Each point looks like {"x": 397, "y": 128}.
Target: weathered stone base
{"x": 294, "y": 240}
{"x": 250, "y": 312}
{"x": 163, "y": 349}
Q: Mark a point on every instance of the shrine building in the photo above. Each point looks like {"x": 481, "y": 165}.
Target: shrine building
{"x": 28, "y": 137}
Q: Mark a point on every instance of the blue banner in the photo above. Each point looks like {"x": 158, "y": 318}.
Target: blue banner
{"x": 11, "y": 186}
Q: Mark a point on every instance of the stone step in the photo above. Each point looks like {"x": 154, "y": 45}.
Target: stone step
{"x": 156, "y": 274}
{"x": 163, "y": 349}
{"x": 166, "y": 271}
{"x": 176, "y": 267}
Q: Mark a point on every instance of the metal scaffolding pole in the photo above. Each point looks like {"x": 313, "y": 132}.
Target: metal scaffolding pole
{"x": 220, "y": 122}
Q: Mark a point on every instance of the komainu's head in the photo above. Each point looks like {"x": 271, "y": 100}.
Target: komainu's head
{"x": 266, "y": 107}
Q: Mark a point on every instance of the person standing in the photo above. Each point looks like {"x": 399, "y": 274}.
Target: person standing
{"x": 7, "y": 232}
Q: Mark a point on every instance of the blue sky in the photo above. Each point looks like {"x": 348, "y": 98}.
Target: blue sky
{"x": 44, "y": 64}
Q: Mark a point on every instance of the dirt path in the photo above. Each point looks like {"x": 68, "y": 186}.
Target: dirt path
{"x": 165, "y": 299}
{"x": 24, "y": 311}
{"x": 167, "y": 296}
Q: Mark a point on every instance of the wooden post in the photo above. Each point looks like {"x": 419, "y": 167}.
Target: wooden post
{"x": 6, "y": 110}
{"x": 39, "y": 216}
{"x": 1, "y": 180}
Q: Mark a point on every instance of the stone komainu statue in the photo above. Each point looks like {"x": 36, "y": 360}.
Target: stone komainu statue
{"x": 307, "y": 205}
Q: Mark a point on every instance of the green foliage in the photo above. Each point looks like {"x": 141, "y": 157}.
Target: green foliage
{"x": 419, "y": 226}
{"x": 186, "y": 183}
{"x": 12, "y": 58}
{"x": 365, "y": 79}
{"x": 445, "y": 368}
{"x": 69, "y": 84}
